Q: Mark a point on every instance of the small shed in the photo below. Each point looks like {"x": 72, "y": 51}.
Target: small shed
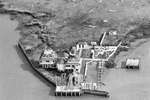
{"x": 133, "y": 63}
{"x": 81, "y": 45}
{"x": 61, "y": 67}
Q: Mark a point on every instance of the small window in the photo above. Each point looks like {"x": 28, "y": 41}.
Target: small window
{"x": 73, "y": 66}
{"x": 82, "y": 46}
{"x": 67, "y": 65}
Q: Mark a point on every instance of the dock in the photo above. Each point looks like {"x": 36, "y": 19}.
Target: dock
{"x": 64, "y": 91}
{"x": 94, "y": 89}
{"x": 69, "y": 82}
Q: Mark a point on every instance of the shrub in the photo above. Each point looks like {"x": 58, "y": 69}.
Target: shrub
{"x": 110, "y": 63}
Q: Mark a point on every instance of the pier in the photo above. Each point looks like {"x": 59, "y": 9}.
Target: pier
{"x": 64, "y": 91}
{"x": 89, "y": 67}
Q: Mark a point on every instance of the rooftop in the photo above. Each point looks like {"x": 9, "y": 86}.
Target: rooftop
{"x": 73, "y": 61}
{"x": 65, "y": 89}
{"x": 132, "y": 62}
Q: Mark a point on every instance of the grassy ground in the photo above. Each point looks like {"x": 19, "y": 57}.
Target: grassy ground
{"x": 86, "y": 19}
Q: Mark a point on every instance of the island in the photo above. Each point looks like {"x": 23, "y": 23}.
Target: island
{"x": 71, "y": 46}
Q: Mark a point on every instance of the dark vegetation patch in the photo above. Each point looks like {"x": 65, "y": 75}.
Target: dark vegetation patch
{"x": 141, "y": 30}
{"x": 110, "y": 63}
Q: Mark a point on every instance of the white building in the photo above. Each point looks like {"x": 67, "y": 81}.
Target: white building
{"x": 73, "y": 64}
{"x": 48, "y": 58}
{"x": 113, "y": 32}
{"x": 133, "y": 63}
{"x": 81, "y": 45}
{"x": 65, "y": 91}
{"x": 60, "y": 67}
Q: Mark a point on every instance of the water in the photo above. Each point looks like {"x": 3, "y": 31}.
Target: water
{"x": 16, "y": 81}
{"x": 19, "y": 82}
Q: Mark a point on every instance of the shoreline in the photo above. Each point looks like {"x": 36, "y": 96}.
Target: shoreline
{"x": 15, "y": 74}
{"x": 108, "y": 73}
{"x": 32, "y": 66}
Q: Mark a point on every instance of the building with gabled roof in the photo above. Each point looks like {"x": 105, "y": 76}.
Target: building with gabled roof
{"x": 133, "y": 63}
{"x": 81, "y": 45}
{"x": 48, "y": 58}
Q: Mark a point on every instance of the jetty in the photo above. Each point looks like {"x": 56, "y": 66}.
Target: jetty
{"x": 79, "y": 71}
